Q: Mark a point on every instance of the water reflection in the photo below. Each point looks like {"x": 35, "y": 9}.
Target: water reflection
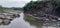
{"x": 21, "y": 23}
{"x": 18, "y": 23}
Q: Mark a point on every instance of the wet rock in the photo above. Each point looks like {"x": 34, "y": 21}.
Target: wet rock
{"x": 6, "y": 21}
{"x": 45, "y": 19}
{"x": 58, "y": 23}
{"x": 1, "y": 21}
{"x": 15, "y": 15}
{"x": 7, "y": 17}
{"x": 53, "y": 20}
{"x": 10, "y": 19}
{"x": 58, "y": 19}
{"x": 18, "y": 15}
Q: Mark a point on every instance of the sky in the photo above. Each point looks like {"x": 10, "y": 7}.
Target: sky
{"x": 14, "y": 3}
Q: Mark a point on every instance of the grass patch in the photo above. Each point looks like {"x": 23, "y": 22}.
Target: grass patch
{"x": 30, "y": 19}
{"x": 33, "y": 21}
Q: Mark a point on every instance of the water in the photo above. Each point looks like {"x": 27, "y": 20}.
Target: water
{"x": 21, "y": 23}
{"x": 18, "y": 23}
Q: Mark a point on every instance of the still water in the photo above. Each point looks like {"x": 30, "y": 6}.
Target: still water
{"x": 21, "y": 23}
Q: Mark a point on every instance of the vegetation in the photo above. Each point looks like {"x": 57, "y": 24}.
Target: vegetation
{"x": 1, "y": 9}
{"x": 15, "y": 15}
{"x": 33, "y": 6}
{"x": 33, "y": 21}
{"x": 39, "y": 6}
{"x": 30, "y": 19}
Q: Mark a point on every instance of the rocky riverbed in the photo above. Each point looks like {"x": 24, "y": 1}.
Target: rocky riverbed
{"x": 44, "y": 23}
{"x": 7, "y": 17}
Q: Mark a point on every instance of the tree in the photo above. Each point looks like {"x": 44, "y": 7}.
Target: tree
{"x": 37, "y": 5}
{"x": 1, "y": 9}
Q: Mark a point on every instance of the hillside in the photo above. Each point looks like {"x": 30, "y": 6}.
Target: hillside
{"x": 47, "y": 9}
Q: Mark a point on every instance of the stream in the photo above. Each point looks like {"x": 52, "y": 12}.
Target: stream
{"x": 18, "y": 23}
{"x": 21, "y": 23}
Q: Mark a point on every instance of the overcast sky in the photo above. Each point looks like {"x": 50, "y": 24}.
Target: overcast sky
{"x": 13, "y": 3}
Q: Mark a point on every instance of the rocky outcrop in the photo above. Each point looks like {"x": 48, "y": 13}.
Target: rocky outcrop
{"x": 48, "y": 9}
{"x": 6, "y": 18}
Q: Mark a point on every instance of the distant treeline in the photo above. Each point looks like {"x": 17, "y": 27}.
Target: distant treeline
{"x": 12, "y": 8}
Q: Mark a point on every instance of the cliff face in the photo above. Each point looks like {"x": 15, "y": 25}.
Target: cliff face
{"x": 57, "y": 11}
{"x": 48, "y": 9}
{"x": 40, "y": 9}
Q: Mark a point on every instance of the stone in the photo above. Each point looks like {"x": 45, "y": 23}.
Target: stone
{"x": 1, "y": 21}
{"x": 6, "y": 21}
{"x": 59, "y": 19}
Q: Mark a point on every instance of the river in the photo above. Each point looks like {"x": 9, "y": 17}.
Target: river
{"x": 18, "y": 23}
{"x": 21, "y": 23}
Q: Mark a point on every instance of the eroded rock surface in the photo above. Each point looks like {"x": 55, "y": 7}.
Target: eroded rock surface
{"x": 7, "y": 17}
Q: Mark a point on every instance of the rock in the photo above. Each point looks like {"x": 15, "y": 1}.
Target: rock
{"x": 53, "y": 20}
{"x": 15, "y": 15}
{"x": 6, "y": 21}
{"x": 10, "y": 19}
{"x": 45, "y": 19}
{"x": 18, "y": 15}
{"x": 1, "y": 21}
{"x": 59, "y": 19}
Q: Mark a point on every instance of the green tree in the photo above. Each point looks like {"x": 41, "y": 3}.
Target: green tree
{"x": 1, "y": 9}
{"x": 33, "y": 5}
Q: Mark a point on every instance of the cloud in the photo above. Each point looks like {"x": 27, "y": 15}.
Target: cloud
{"x": 13, "y": 3}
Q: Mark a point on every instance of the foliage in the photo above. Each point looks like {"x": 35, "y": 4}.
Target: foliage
{"x": 1, "y": 9}
{"x": 37, "y": 5}
{"x": 33, "y": 6}
{"x": 29, "y": 18}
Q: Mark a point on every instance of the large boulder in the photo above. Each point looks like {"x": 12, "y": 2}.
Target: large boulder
{"x": 6, "y": 21}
